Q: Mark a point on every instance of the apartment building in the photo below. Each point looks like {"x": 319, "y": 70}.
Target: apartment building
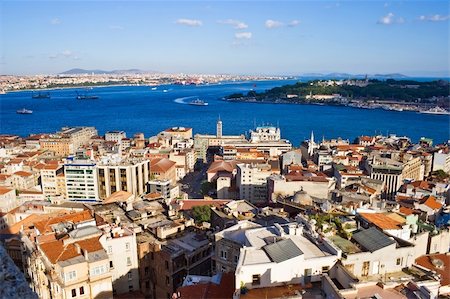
{"x": 8, "y": 199}
{"x": 129, "y": 175}
{"x": 120, "y": 245}
{"x": 68, "y": 140}
{"x": 251, "y": 180}
{"x": 49, "y": 180}
{"x": 81, "y": 179}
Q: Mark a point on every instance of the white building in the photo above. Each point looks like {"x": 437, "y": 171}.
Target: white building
{"x": 8, "y": 199}
{"x": 120, "y": 245}
{"x": 129, "y": 175}
{"x": 441, "y": 161}
{"x": 81, "y": 179}
{"x": 265, "y": 133}
{"x": 251, "y": 180}
{"x": 280, "y": 255}
{"x": 115, "y": 136}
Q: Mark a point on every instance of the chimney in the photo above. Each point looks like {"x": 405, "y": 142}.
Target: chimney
{"x": 78, "y": 248}
{"x": 86, "y": 254}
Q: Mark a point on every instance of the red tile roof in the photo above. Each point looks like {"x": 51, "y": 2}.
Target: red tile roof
{"x": 45, "y": 226}
{"x": 4, "y": 190}
{"x": 210, "y": 290}
{"x": 161, "y": 165}
{"x": 439, "y": 263}
{"x": 56, "y": 251}
{"x": 381, "y": 220}
{"x": 430, "y": 201}
{"x": 23, "y": 173}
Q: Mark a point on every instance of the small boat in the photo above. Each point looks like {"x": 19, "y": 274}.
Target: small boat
{"x": 198, "y": 102}
{"x": 165, "y": 90}
{"x": 86, "y": 97}
{"x": 24, "y": 111}
{"x": 436, "y": 110}
{"x": 154, "y": 88}
{"x": 41, "y": 95}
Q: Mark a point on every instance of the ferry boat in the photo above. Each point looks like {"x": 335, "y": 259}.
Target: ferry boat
{"x": 41, "y": 95}
{"x": 86, "y": 97}
{"x": 24, "y": 111}
{"x": 198, "y": 102}
{"x": 154, "y": 88}
{"x": 435, "y": 110}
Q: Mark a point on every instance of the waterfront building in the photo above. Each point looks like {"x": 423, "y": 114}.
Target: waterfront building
{"x": 67, "y": 141}
{"x": 115, "y": 136}
{"x": 81, "y": 179}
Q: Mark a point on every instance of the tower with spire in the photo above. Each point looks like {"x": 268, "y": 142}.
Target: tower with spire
{"x": 311, "y": 144}
{"x": 219, "y": 128}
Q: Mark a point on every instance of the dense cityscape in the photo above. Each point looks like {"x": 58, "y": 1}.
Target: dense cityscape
{"x": 224, "y": 149}
{"x": 183, "y": 215}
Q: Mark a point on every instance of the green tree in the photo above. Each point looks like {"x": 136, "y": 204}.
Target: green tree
{"x": 201, "y": 213}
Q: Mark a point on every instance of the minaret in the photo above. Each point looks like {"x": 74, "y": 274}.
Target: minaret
{"x": 311, "y": 145}
{"x": 219, "y": 128}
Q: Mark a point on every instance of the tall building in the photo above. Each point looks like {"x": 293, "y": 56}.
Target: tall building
{"x": 68, "y": 140}
{"x": 264, "y": 134}
{"x": 81, "y": 179}
{"x": 49, "y": 180}
{"x": 129, "y": 175}
{"x": 219, "y": 129}
{"x": 115, "y": 136}
{"x": 251, "y": 180}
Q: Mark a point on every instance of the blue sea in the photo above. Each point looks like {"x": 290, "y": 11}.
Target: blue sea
{"x": 141, "y": 109}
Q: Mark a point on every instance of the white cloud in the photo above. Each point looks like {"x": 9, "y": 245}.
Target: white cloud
{"x": 235, "y": 23}
{"x": 294, "y": 23}
{"x": 189, "y": 22}
{"x": 390, "y": 19}
{"x": 243, "y": 35}
{"x": 116, "y": 27}
{"x": 55, "y": 21}
{"x": 434, "y": 18}
{"x": 66, "y": 53}
{"x": 63, "y": 54}
{"x": 270, "y": 24}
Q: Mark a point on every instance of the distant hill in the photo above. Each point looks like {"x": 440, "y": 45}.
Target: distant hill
{"x": 78, "y": 71}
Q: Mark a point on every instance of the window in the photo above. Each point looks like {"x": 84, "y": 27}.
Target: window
{"x": 71, "y": 275}
{"x": 127, "y": 246}
{"x": 98, "y": 270}
{"x": 399, "y": 261}
{"x": 74, "y": 293}
{"x": 130, "y": 288}
{"x": 81, "y": 290}
{"x": 256, "y": 279}
{"x": 167, "y": 265}
{"x": 167, "y": 280}
{"x": 223, "y": 254}
{"x": 325, "y": 269}
{"x": 130, "y": 275}
{"x": 128, "y": 261}
{"x": 146, "y": 270}
{"x": 236, "y": 259}
{"x": 147, "y": 284}
{"x": 111, "y": 265}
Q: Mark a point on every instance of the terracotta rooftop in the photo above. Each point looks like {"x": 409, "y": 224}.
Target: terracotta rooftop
{"x": 430, "y": 201}
{"x": 23, "y": 173}
{"x": 45, "y": 226}
{"x": 381, "y": 220}
{"x": 161, "y": 165}
{"x": 406, "y": 211}
{"x": 118, "y": 196}
{"x": 28, "y": 222}
{"x": 4, "y": 190}
{"x": 439, "y": 263}
{"x": 217, "y": 166}
{"x": 56, "y": 251}
{"x": 210, "y": 290}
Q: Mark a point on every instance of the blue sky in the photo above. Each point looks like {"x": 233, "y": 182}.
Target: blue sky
{"x": 253, "y": 37}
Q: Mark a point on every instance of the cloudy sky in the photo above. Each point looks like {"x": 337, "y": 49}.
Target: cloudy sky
{"x": 252, "y": 37}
